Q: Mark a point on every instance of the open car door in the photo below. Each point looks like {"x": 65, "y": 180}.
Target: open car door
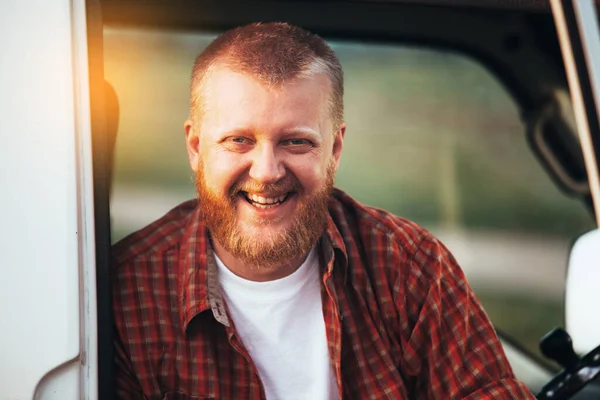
{"x": 47, "y": 241}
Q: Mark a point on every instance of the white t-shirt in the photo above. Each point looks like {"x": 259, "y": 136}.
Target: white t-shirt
{"x": 281, "y": 325}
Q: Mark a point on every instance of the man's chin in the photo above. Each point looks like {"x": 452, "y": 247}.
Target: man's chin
{"x": 265, "y": 232}
{"x": 262, "y": 247}
{"x": 252, "y": 226}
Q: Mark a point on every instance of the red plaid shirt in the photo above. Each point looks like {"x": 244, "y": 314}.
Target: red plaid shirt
{"x": 401, "y": 320}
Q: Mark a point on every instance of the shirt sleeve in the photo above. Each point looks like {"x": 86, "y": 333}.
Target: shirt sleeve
{"x": 451, "y": 350}
{"x": 127, "y": 386}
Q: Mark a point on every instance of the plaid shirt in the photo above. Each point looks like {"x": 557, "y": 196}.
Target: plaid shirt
{"x": 401, "y": 320}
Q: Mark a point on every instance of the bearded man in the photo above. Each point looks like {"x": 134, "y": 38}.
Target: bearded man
{"x": 275, "y": 285}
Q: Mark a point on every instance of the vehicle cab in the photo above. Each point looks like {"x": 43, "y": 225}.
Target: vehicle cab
{"x": 478, "y": 120}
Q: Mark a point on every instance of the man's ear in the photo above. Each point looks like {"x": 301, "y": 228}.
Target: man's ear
{"x": 338, "y": 144}
{"x": 192, "y": 143}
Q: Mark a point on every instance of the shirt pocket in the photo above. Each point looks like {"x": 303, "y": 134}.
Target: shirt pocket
{"x": 184, "y": 396}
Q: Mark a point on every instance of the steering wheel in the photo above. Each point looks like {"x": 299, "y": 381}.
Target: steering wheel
{"x": 578, "y": 372}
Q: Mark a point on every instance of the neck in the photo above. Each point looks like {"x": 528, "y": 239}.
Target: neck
{"x": 256, "y": 273}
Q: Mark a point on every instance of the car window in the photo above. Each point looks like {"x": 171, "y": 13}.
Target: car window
{"x": 432, "y": 136}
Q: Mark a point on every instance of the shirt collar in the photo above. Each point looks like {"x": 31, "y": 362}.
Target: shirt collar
{"x": 334, "y": 245}
{"x": 198, "y": 284}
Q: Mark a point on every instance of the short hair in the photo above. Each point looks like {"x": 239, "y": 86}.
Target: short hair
{"x": 274, "y": 53}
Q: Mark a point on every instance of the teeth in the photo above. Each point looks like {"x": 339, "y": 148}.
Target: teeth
{"x": 263, "y": 206}
{"x": 265, "y": 201}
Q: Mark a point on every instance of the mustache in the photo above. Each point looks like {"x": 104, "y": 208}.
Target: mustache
{"x": 287, "y": 184}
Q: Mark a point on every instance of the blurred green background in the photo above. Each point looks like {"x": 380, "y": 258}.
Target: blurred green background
{"x": 432, "y": 136}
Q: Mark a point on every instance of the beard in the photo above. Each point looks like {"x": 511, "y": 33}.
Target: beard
{"x": 265, "y": 251}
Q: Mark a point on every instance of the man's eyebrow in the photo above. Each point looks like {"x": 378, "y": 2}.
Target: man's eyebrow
{"x": 302, "y": 130}
{"x": 236, "y": 132}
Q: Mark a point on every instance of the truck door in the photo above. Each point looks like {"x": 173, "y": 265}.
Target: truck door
{"x": 47, "y": 234}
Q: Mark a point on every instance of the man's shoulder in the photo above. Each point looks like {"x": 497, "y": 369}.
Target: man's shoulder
{"x": 393, "y": 245}
{"x": 157, "y": 237}
{"x": 363, "y": 220}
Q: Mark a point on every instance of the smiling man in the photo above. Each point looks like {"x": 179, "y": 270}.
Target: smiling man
{"x": 264, "y": 154}
{"x": 273, "y": 284}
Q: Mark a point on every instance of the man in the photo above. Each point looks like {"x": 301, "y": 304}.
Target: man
{"x": 275, "y": 285}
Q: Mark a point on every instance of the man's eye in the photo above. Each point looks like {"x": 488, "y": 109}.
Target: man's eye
{"x": 237, "y": 143}
{"x": 298, "y": 142}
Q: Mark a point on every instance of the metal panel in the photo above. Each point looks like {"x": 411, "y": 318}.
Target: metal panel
{"x": 62, "y": 383}
{"x": 40, "y": 232}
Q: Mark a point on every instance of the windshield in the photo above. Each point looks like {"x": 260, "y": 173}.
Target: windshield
{"x": 432, "y": 136}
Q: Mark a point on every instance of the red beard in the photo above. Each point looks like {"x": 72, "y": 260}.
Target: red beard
{"x": 309, "y": 221}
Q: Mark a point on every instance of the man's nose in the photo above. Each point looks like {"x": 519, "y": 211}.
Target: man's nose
{"x": 266, "y": 165}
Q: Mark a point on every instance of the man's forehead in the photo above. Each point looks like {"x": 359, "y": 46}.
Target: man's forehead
{"x": 226, "y": 77}
{"x": 233, "y": 99}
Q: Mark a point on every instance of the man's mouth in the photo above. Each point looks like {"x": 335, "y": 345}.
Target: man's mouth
{"x": 265, "y": 202}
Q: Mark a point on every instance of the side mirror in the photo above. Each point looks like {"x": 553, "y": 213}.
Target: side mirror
{"x": 582, "y": 293}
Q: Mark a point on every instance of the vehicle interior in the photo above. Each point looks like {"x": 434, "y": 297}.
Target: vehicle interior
{"x": 458, "y": 115}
